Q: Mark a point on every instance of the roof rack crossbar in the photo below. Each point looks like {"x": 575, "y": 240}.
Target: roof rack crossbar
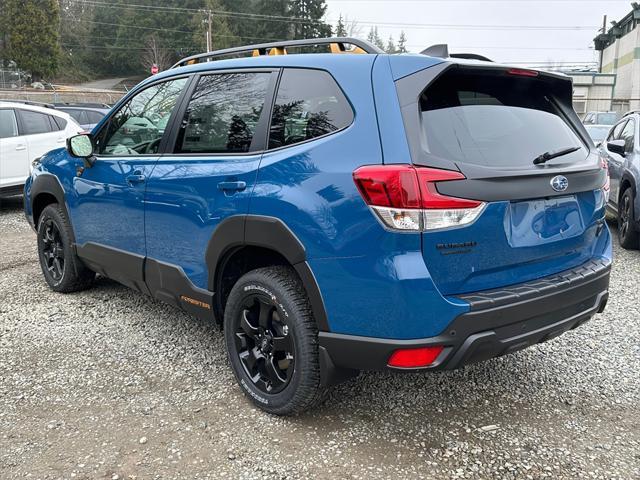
{"x": 361, "y": 46}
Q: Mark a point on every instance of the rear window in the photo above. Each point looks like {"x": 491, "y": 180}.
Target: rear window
{"x": 608, "y": 118}
{"x": 494, "y": 120}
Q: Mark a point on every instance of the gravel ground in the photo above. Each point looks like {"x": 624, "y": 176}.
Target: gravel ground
{"x": 111, "y": 384}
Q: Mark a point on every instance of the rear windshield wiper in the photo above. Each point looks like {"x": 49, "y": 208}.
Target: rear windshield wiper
{"x": 546, "y": 156}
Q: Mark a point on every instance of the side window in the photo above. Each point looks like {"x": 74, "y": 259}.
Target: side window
{"x": 34, "y": 122}
{"x": 628, "y": 135}
{"x": 57, "y": 123}
{"x": 8, "y": 124}
{"x": 309, "y": 104}
{"x": 139, "y": 125}
{"x": 93, "y": 117}
{"x": 223, "y": 113}
{"x": 616, "y": 131}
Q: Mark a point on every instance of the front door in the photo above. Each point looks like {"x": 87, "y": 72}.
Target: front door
{"x": 108, "y": 209}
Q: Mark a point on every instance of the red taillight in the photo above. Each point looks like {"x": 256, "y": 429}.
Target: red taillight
{"x": 522, "y": 72}
{"x": 405, "y": 197}
{"x": 414, "y": 357}
{"x": 388, "y": 185}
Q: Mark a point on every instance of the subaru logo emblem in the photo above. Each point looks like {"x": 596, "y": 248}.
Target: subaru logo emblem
{"x": 559, "y": 183}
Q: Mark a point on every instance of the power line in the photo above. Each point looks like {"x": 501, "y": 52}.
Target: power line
{"x": 280, "y": 18}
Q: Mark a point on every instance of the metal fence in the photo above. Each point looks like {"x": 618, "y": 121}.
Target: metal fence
{"x": 11, "y": 78}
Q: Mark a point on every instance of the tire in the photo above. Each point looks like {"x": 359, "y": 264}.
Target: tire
{"x": 627, "y": 233}
{"x": 62, "y": 269}
{"x": 272, "y": 341}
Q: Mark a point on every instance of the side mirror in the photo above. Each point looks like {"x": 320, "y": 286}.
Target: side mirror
{"x": 616, "y": 146}
{"x": 81, "y": 146}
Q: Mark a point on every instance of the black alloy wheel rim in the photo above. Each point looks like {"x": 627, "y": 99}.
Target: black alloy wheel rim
{"x": 625, "y": 213}
{"x": 52, "y": 250}
{"x": 264, "y": 344}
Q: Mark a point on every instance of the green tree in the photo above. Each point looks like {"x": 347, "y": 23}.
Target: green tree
{"x": 310, "y": 23}
{"x": 402, "y": 43}
{"x": 32, "y": 34}
{"x": 391, "y": 45}
{"x": 270, "y": 29}
{"x": 341, "y": 29}
{"x": 374, "y": 37}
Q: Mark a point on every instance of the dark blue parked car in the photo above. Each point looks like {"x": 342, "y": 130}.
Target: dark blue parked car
{"x": 338, "y": 212}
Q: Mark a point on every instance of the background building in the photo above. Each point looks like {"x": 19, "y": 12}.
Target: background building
{"x": 620, "y": 56}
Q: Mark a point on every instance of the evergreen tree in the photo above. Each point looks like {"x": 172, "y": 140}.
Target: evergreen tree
{"x": 374, "y": 38}
{"x": 391, "y": 46}
{"x": 32, "y": 33}
{"x": 310, "y": 23}
{"x": 341, "y": 29}
{"x": 402, "y": 43}
{"x": 271, "y": 29}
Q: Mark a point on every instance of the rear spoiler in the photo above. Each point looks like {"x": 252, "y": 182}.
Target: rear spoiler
{"x": 441, "y": 50}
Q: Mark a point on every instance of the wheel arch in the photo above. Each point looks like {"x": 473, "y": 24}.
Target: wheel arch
{"x": 45, "y": 190}
{"x": 244, "y": 242}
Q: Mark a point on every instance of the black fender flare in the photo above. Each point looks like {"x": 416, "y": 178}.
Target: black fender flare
{"x": 267, "y": 232}
{"x": 48, "y": 183}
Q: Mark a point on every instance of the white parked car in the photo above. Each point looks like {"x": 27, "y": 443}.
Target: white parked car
{"x": 26, "y": 133}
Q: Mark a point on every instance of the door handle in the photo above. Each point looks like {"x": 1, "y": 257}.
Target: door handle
{"x": 136, "y": 178}
{"x": 227, "y": 186}
{"x": 21, "y": 147}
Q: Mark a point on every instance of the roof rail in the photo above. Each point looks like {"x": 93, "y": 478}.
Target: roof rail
{"x": 28, "y": 102}
{"x": 442, "y": 51}
{"x": 337, "y": 45}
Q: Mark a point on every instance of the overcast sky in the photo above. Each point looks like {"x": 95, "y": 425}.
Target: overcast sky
{"x": 427, "y": 22}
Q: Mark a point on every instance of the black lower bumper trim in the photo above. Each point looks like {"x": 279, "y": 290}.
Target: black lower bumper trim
{"x": 502, "y": 327}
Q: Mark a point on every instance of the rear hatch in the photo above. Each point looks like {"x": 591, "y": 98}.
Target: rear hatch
{"x": 490, "y": 123}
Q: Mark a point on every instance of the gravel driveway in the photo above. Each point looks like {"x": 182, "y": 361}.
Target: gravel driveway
{"x": 110, "y": 384}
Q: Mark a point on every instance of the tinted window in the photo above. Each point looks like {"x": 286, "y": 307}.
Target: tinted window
{"x": 617, "y": 130}
{"x": 494, "y": 120}
{"x": 309, "y": 104}
{"x": 139, "y": 125}
{"x": 58, "y": 123}
{"x": 608, "y": 118}
{"x": 8, "y": 124}
{"x": 627, "y": 135}
{"x": 223, "y": 113}
{"x": 77, "y": 115}
{"x": 34, "y": 122}
{"x": 94, "y": 117}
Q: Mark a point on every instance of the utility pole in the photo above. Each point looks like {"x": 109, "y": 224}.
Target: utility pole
{"x": 208, "y": 32}
{"x": 604, "y": 31}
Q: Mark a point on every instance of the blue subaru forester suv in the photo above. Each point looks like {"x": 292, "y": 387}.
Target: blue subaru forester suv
{"x": 337, "y": 212}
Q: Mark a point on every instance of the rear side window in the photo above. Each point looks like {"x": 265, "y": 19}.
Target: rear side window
{"x": 58, "y": 123}
{"x": 494, "y": 119}
{"x": 309, "y": 104}
{"x": 8, "y": 124}
{"x": 34, "y": 122}
{"x": 93, "y": 117}
{"x": 223, "y": 113}
{"x": 78, "y": 115}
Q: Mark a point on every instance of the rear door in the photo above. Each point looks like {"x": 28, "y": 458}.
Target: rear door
{"x": 14, "y": 158}
{"x": 491, "y": 123}
{"x": 210, "y": 169}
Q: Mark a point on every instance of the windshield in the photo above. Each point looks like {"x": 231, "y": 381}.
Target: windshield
{"x": 494, "y": 120}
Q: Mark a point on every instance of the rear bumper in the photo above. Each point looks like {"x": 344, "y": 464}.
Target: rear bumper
{"x": 499, "y": 322}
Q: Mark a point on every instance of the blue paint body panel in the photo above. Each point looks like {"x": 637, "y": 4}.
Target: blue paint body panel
{"x": 373, "y": 282}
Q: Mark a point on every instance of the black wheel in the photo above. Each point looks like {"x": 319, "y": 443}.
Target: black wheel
{"x": 627, "y": 233}
{"x": 272, "y": 341}
{"x": 62, "y": 269}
